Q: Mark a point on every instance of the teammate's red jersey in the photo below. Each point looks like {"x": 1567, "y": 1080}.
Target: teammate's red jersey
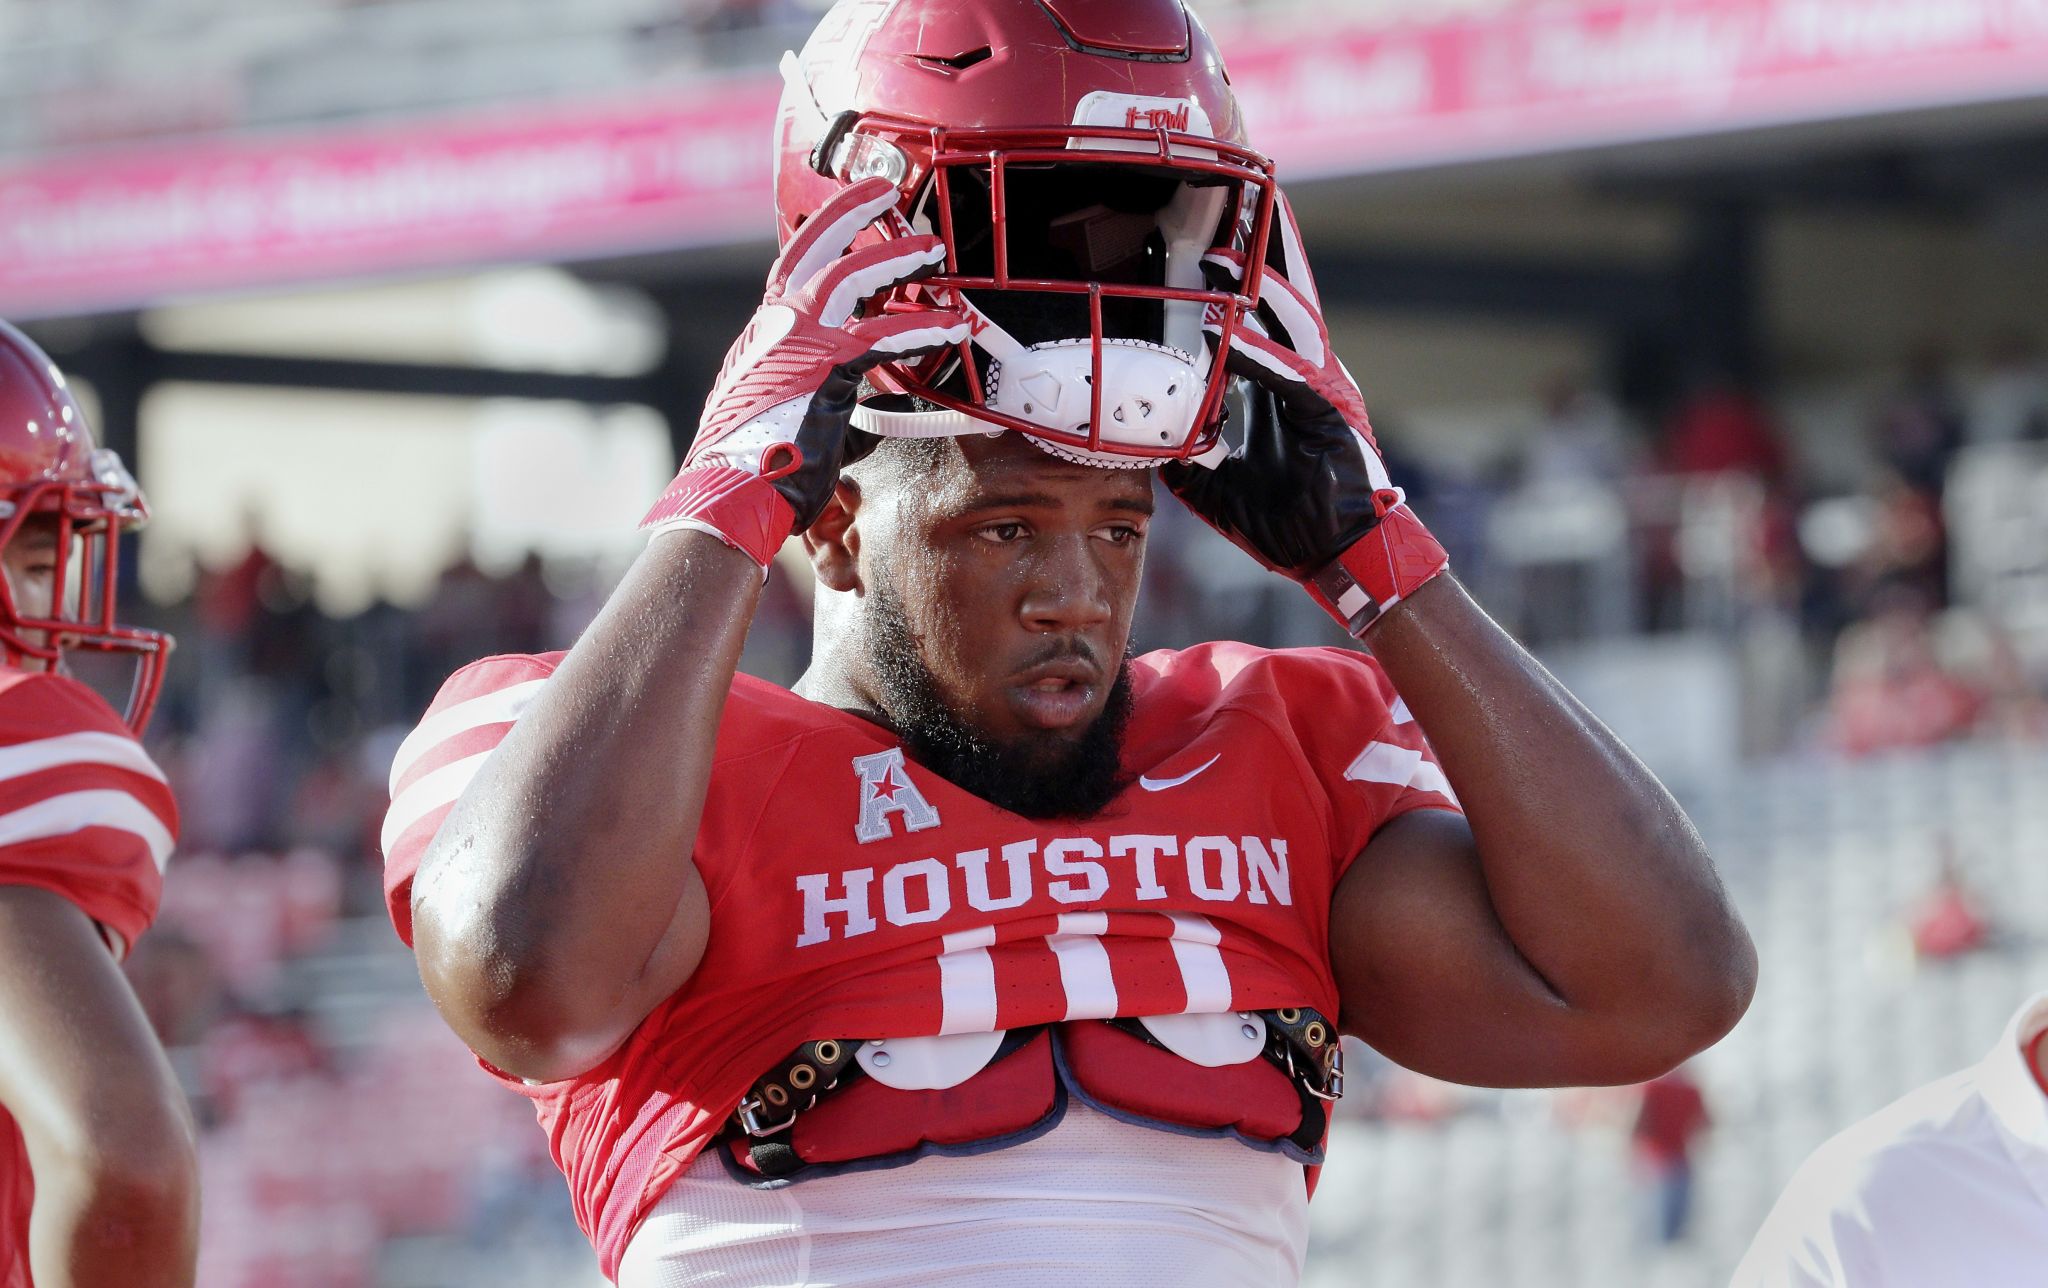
{"x": 84, "y": 813}
{"x": 856, "y": 894}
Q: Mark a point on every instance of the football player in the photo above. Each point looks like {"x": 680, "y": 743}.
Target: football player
{"x": 993, "y": 953}
{"x": 98, "y": 1175}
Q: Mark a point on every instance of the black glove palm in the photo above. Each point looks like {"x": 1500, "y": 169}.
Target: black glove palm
{"x": 1306, "y": 488}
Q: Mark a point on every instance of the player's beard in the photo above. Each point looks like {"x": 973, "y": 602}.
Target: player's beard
{"x": 1045, "y": 777}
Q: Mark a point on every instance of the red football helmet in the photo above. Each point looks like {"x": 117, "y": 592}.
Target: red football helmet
{"x": 50, "y": 466}
{"x": 1078, "y": 157}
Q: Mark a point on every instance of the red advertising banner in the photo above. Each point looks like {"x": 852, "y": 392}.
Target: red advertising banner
{"x": 1550, "y": 76}
{"x": 692, "y": 166}
{"x": 682, "y": 169}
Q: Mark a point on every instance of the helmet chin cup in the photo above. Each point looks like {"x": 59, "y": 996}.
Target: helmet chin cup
{"x": 1148, "y": 398}
{"x": 1151, "y": 398}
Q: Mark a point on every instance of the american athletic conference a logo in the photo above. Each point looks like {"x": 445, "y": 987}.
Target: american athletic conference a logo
{"x": 885, "y": 789}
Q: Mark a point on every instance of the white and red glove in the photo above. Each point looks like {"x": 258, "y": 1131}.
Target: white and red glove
{"x": 773, "y": 437}
{"x": 1306, "y": 493}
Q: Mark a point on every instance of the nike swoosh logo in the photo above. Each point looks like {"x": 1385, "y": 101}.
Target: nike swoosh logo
{"x": 1161, "y": 784}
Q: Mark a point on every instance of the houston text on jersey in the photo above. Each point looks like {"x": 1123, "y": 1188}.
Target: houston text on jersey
{"x": 1074, "y": 870}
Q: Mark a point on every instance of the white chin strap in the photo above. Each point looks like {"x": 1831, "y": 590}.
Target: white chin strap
{"x": 1151, "y": 394}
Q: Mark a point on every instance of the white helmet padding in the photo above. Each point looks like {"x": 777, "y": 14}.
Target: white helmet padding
{"x": 1151, "y": 394}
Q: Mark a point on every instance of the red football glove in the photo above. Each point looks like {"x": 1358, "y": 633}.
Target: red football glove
{"x": 1306, "y": 494}
{"x": 773, "y": 437}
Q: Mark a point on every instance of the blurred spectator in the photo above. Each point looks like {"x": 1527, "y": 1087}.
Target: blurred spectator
{"x": 1581, "y": 439}
{"x": 232, "y": 768}
{"x": 1947, "y": 921}
{"x": 1918, "y": 431}
{"x": 1984, "y": 654}
{"x": 523, "y": 607}
{"x": 254, "y": 1047}
{"x": 1670, "y": 1118}
{"x": 1908, "y": 546}
{"x": 1722, "y": 429}
{"x": 1561, "y": 536}
{"x": 336, "y": 807}
{"x": 460, "y": 623}
{"x": 1891, "y": 689}
{"x": 2011, "y": 402}
{"x": 226, "y": 604}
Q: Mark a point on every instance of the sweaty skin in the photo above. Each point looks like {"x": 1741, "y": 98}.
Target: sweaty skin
{"x": 109, "y": 1136}
{"x": 556, "y": 905}
{"x": 1572, "y": 931}
{"x": 1018, "y": 576}
{"x": 1568, "y": 931}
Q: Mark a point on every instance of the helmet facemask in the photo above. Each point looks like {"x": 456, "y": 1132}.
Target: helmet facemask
{"x": 87, "y": 520}
{"x": 1078, "y": 255}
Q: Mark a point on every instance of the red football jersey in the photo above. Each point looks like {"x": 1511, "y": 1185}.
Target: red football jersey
{"x": 84, "y": 813}
{"x": 856, "y": 894}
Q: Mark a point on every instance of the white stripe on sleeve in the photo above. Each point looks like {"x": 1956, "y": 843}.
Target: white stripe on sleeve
{"x": 1429, "y": 778}
{"x": 75, "y": 811}
{"x": 77, "y": 749}
{"x": 491, "y": 708}
{"x": 1384, "y": 762}
{"x": 430, "y": 793}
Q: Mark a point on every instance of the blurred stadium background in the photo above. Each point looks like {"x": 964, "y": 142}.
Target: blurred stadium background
{"x": 1707, "y": 334}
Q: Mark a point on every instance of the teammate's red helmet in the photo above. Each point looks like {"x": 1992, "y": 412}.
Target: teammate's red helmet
{"x": 50, "y": 466}
{"x": 1079, "y": 157}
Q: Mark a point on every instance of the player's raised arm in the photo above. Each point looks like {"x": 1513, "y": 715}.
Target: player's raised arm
{"x": 557, "y": 902}
{"x": 1570, "y": 929}
{"x": 107, "y": 1132}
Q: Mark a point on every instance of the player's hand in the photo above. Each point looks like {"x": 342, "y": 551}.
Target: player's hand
{"x": 773, "y": 437}
{"x": 1306, "y": 493}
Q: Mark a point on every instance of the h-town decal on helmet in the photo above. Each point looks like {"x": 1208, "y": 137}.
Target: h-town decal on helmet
{"x": 1174, "y": 119}
{"x": 1141, "y": 112}
{"x": 886, "y": 789}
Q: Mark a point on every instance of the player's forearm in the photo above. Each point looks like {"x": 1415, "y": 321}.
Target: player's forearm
{"x": 1593, "y": 869}
{"x": 124, "y": 1214}
{"x": 560, "y": 889}
{"x": 109, "y": 1136}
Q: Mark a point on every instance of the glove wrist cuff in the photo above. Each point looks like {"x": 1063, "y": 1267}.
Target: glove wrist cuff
{"x": 739, "y": 507}
{"x": 1377, "y": 571}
